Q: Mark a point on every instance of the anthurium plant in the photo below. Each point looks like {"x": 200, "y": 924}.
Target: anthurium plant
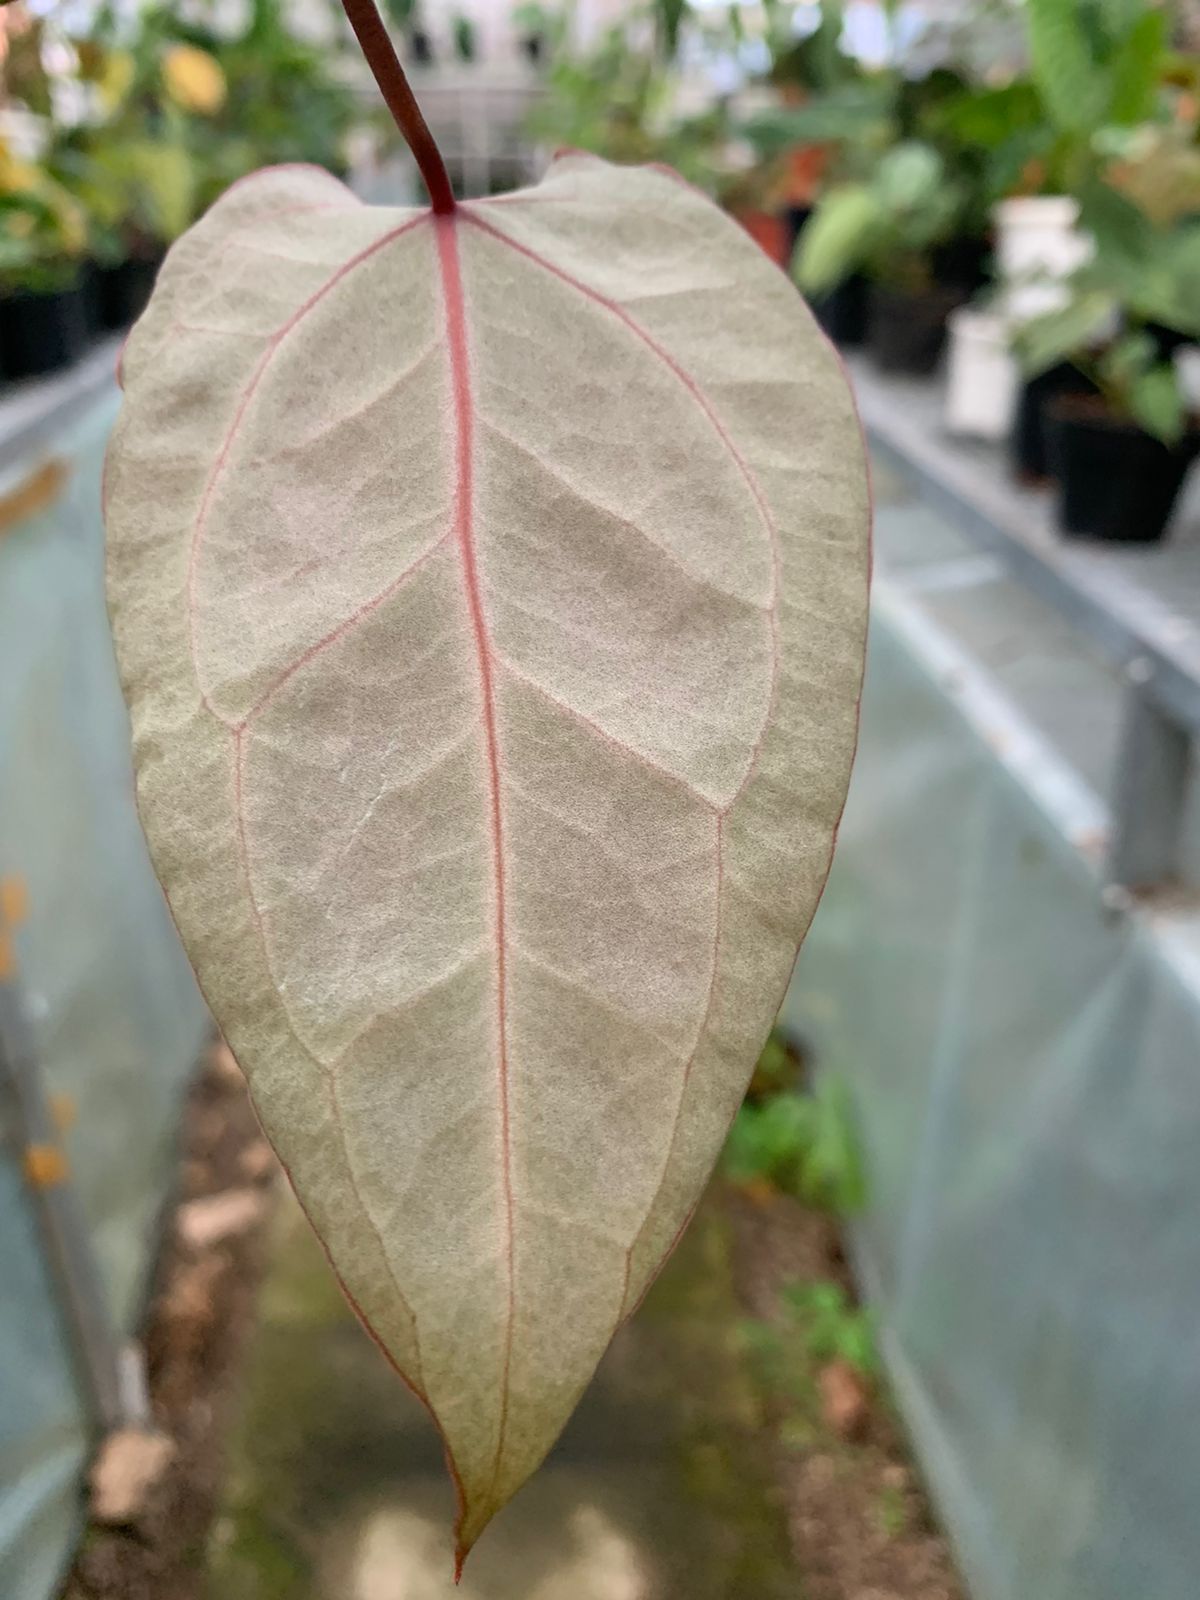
{"x": 488, "y": 584}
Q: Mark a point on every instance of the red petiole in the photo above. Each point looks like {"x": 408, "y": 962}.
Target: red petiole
{"x": 377, "y": 47}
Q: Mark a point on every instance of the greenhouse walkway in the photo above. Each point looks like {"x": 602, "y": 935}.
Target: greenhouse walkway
{"x": 336, "y": 1489}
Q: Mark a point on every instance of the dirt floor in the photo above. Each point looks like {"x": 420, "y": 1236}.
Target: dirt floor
{"x": 200, "y": 1320}
{"x": 718, "y": 1456}
{"x": 860, "y": 1524}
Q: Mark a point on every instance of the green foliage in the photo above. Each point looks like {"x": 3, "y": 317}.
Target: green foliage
{"x": 464, "y": 37}
{"x": 182, "y": 112}
{"x": 886, "y": 226}
{"x": 135, "y": 189}
{"x": 831, "y": 1327}
{"x": 1140, "y": 278}
{"x": 1097, "y": 61}
{"x": 818, "y": 1324}
{"x": 669, "y": 16}
{"x": 815, "y": 62}
{"x": 803, "y": 1144}
{"x": 43, "y": 232}
{"x": 615, "y": 100}
{"x": 857, "y": 112}
{"x": 1064, "y": 65}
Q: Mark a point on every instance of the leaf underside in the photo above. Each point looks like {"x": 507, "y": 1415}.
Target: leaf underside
{"x": 489, "y": 596}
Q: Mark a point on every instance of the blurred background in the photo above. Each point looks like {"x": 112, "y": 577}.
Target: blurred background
{"x": 936, "y": 1330}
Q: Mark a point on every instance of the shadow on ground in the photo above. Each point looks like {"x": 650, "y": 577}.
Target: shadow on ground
{"x": 661, "y": 1488}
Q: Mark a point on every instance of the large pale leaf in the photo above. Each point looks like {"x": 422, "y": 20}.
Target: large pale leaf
{"x": 489, "y": 594}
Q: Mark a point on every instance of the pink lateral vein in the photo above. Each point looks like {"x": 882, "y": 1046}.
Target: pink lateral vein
{"x": 278, "y": 339}
{"x": 456, "y": 330}
{"x": 616, "y": 309}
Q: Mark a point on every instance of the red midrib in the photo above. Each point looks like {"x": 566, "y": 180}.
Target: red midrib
{"x": 456, "y": 334}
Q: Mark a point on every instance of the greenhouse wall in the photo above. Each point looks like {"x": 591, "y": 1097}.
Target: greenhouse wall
{"x": 1023, "y": 1058}
{"x": 116, "y": 1018}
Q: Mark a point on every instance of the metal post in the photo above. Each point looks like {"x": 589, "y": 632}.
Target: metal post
{"x": 1149, "y": 787}
{"x": 103, "y": 1363}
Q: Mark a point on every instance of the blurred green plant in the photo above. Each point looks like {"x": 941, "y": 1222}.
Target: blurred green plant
{"x": 818, "y": 1325}
{"x": 616, "y": 100}
{"x": 465, "y": 42}
{"x": 887, "y": 226}
{"x": 43, "y": 229}
{"x": 803, "y": 1144}
{"x": 831, "y": 1327}
{"x": 1097, "y": 62}
{"x": 1143, "y": 282}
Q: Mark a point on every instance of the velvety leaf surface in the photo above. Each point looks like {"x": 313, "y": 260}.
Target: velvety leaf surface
{"x": 489, "y": 594}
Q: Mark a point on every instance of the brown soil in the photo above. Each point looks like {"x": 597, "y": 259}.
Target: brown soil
{"x": 200, "y": 1315}
{"x": 859, "y": 1519}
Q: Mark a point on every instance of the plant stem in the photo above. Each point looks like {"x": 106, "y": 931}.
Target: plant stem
{"x": 364, "y": 18}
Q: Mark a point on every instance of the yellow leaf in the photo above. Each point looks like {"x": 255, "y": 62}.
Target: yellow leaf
{"x": 489, "y": 593}
{"x": 193, "y": 79}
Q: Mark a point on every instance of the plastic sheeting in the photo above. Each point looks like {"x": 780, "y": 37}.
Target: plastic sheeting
{"x": 116, "y": 1015}
{"x": 1025, "y": 1066}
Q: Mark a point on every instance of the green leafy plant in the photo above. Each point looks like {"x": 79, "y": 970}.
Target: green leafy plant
{"x": 616, "y": 99}
{"x": 464, "y": 37}
{"x": 1098, "y": 67}
{"x": 43, "y": 231}
{"x": 886, "y": 227}
{"x": 1141, "y": 281}
{"x": 1097, "y": 61}
{"x": 804, "y": 1144}
{"x": 818, "y": 1326}
{"x": 831, "y": 1327}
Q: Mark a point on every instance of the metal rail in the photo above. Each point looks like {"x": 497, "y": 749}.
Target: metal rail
{"x": 1139, "y": 605}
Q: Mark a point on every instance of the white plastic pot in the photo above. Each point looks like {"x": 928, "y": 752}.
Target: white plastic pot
{"x": 1038, "y": 244}
{"x": 982, "y": 375}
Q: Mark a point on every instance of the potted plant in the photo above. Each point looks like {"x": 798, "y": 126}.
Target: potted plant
{"x": 131, "y": 163}
{"x": 43, "y": 238}
{"x": 1095, "y": 71}
{"x": 902, "y": 203}
{"x": 889, "y": 228}
{"x": 1121, "y": 451}
{"x": 282, "y": 100}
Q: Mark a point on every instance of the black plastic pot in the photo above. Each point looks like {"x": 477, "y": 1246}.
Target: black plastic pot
{"x": 962, "y": 264}
{"x": 42, "y": 332}
{"x": 1029, "y": 445}
{"x": 1116, "y": 481}
{"x": 905, "y": 329}
{"x": 123, "y": 291}
{"x": 796, "y": 217}
{"x": 843, "y": 312}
